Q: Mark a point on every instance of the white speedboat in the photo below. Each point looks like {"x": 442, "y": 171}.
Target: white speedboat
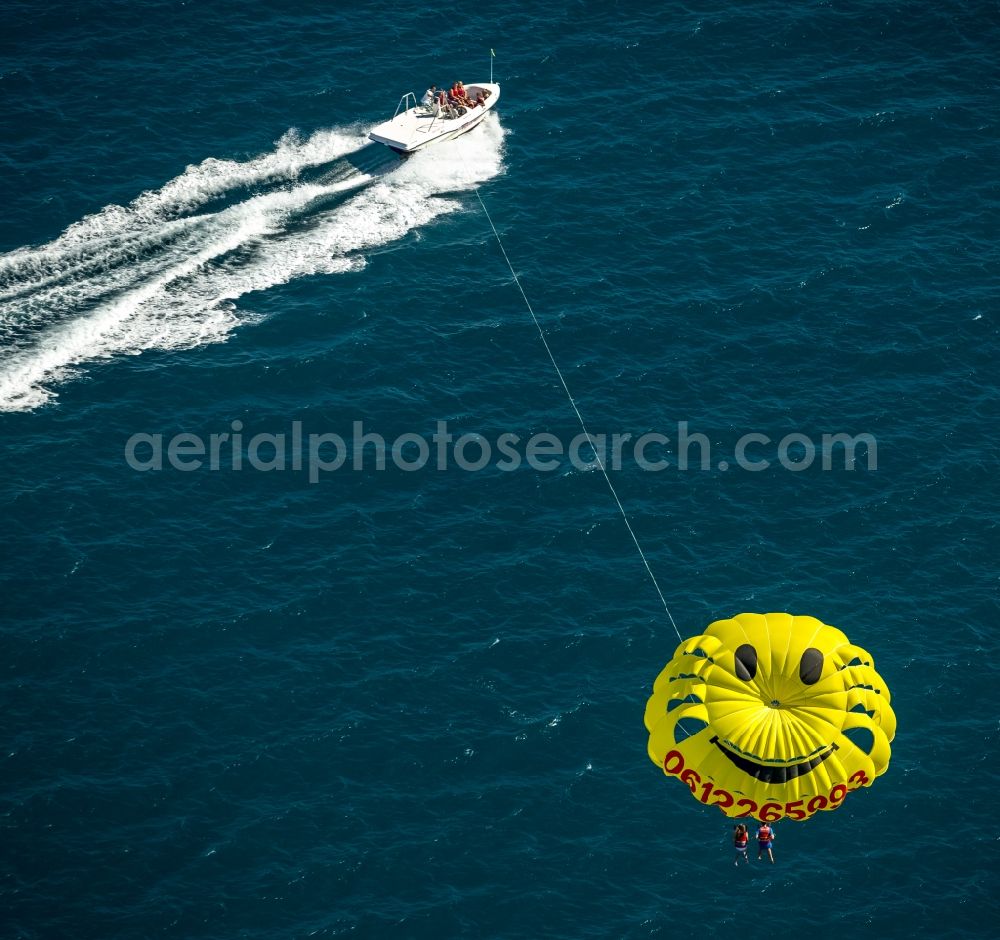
{"x": 414, "y": 126}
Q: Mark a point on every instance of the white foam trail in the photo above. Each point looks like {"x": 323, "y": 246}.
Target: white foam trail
{"x": 197, "y": 185}
{"x": 174, "y": 241}
{"x": 183, "y": 295}
{"x": 99, "y": 334}
{"x": 383, "y": 212}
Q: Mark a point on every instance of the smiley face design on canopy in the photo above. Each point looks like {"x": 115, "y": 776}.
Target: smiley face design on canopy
{"x": 771, "y": 716}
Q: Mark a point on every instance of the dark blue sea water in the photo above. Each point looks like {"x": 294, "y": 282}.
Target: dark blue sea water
{"x": 237, "y": 703}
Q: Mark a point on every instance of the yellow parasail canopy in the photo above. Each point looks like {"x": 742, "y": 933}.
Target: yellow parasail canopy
{"x": 753, "y": 716}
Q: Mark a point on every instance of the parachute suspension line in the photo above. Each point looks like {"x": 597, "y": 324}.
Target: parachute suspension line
{"x": 579, "y": 417}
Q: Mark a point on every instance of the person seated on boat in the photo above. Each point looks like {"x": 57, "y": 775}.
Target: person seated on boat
{"x": 445, "y": 107}
{"x": 457, "y": 102}
{"x": 430, "y": 97}
{"x": 464, "y": 95}
{"x": 481, "y": 99}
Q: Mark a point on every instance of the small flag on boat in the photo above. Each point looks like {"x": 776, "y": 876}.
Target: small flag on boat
{"x": 493, "y": 54}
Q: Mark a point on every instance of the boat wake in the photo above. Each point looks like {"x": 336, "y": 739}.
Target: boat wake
{"x": 165, "y": 271}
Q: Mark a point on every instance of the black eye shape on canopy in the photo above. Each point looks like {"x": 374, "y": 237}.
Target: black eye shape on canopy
{"x": 811, "y": 666}
{"x": 746, "y": 662}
